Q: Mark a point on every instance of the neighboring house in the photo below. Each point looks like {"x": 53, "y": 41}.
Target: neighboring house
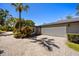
{"x": 61, "y": 28}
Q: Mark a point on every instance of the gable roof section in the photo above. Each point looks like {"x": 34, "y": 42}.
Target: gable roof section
{"x": 73, "y": 20}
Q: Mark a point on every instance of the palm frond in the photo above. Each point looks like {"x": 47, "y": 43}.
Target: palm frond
{"x": 77, "y": 7}
{"x": 26, "y": 7}
{"x": 14, "y": 4}
{"x": 19, "y": 7}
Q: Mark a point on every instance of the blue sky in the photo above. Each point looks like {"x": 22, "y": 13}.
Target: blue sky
{"x": 42, "y": 13}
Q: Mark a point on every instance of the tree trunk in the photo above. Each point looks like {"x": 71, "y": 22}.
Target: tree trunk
{"x": 19, "y": 20}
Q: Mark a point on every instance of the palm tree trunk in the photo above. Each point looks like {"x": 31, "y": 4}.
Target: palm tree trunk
{"x": 19, "y": 20}
{"x": 20, "y": 15}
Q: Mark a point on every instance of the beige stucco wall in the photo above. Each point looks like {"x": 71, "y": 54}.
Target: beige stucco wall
{"x": 73, "y": 28}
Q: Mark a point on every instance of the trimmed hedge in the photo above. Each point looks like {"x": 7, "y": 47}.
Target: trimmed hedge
{"x": 73, "y": 38}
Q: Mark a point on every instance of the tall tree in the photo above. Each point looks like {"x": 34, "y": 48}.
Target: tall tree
{"x": 3, "y": 15}
{"x": 20, "y": 7}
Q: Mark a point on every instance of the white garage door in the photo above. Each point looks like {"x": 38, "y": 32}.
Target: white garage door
{"x": 55, "y": 31}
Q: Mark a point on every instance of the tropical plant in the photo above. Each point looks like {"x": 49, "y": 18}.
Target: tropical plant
{"x": 0, "y": 27}
{"x": 4, "y": 28}
{"x": 20, "y": 7}
{"x": 11, "y": 21}
{"x": 17, "y": 34}
{"x": 21, "y": 22}
{"x": 29, "y": 23}
{"x": 25, "y": 32}
{"x": 24, "y": 23}
{"x": 26, "y": 28}
{"x": 3, "y": 15}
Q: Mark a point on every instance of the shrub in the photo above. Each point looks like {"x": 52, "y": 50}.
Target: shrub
{"x": 23, "y": 23}
{"x": 10, "y": 28}
{"x": 0, "y": 31}
{"x": 25, "y": 27}
{"x": 7, "y": 28}
{"x": 17, "y": 34}
{"x": 19, "y": 23}
{"x": 4, "y": 28}
{"x": 14, "y": 30}
{"x": 29, "y": 23}
{"x": 73, "y": 38}
{"x": 0, "y": 27}
{"x": 24, "y": 32}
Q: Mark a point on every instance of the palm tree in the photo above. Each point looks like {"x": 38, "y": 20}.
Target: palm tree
{"x": 3, "y": 15}
{"x": 20, "y": 7}
{"x": 77, "y": 9}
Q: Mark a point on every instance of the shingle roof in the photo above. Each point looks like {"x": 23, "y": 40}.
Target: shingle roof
{"x": 62, "y": 21}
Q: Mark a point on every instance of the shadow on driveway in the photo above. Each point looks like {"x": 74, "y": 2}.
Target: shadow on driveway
{"x": 1, "y": 51}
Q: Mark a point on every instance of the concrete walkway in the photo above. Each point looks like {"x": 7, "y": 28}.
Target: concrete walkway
{"x": 22, "y": 47}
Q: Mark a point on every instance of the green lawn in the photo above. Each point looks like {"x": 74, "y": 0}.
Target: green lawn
{"x": 73, "y": 46}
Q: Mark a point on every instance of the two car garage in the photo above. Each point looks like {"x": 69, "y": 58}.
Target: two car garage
{"x": 58, "y": 31}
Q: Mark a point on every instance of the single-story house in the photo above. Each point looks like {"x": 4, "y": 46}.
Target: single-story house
{"x": 61, "y": 28}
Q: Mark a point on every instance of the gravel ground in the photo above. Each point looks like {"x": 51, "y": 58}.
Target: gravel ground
{"x": 25, "y": 47}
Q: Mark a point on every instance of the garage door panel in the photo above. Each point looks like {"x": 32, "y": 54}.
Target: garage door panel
{"x": 55, "y": 31}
